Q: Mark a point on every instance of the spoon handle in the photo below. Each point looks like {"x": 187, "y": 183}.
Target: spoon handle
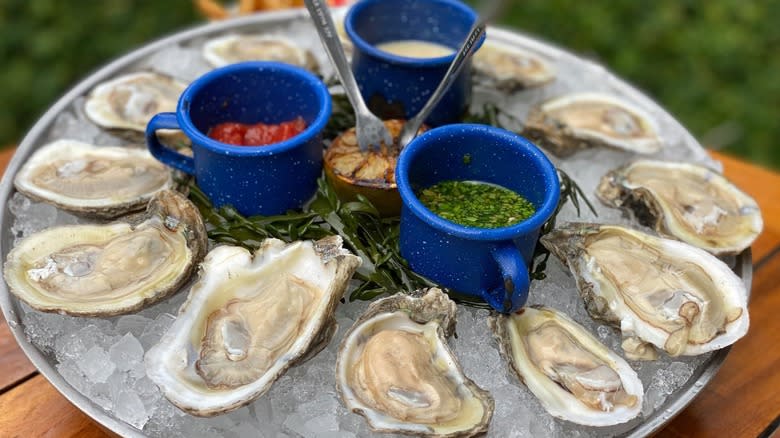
{"x": 323, "y": 22}
{"x": 412, "y": 126}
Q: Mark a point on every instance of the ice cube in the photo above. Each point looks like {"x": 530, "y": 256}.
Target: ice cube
{"x": 96, "y": 364}
{"x": 101, "y": 393}
{"x": 129, "y": 408}
{"x": 42, "y": 328}
{"x": 72, "y": 126}
{"x": 295, "y": 423}
{"x": 128, "y": 355}
{"x": 70, "y": 372}
{"x": 262, "y": 410}
{"x": 247, "y": 430}
{"x": 155, "y": 330}
{"x": 148, "y": 392}
{"x": 70, "y": 347}
{"x": 323, "y": 423}
{"x": 134, "y": 324}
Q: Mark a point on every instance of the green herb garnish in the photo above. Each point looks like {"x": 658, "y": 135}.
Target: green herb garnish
{"x": 476, "y": 204}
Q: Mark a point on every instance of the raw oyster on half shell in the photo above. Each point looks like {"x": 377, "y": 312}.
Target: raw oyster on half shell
{"x": 234, "y": 48}
{"x": 97, "y": 181}
{"x": 576, "y": 121}
{"x": 574, "y": 376}
{"x": 685, "y": 202}
{"x": 394, "y": 368}
{"x": 105, "y": 270}
{"x": 508, "y": 68}
{"x": 659, "y": 292}
{"x": 247, "y": 320}
{"x": 128, "y": 102}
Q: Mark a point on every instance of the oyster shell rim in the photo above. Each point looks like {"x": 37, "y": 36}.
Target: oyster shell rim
{"x": 330, "y": 250}
{"x": 513, "y": 82}
{"x": 641, "y": 203}
{"x": 564, "y": 141}
{"x": 89, "y": 208}
{"x": 99, "y": 118}
{"x": 306, "y": 59}
{"x": 600, "y": 310}
{"x": 421, "y": 306}
{"x": 167, "y": 206}
{"x": 498, "y": 326}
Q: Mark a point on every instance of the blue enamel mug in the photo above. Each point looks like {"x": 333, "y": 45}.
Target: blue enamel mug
{"x": 397, "y": 87}
{"x": 488, "y": 263}
{"x": 264, "y": 180}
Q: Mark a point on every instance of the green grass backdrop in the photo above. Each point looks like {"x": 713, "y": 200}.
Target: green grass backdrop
{"x": 715, "y": 65}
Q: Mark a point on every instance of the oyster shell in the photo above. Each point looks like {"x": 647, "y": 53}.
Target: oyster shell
{"x": 97, "y": 181}
{"x": 574, "y": 376}
{"x": 338, "y": 15}
{"x": 234, "y": 48}
{"x": 394, "y": 367}
{"x": 686, "y": 202}
{"x": 581, "y": 120}
{"x": 247, "y": 320}
{"x": 509, "y": 68}
{"x": 104, "y": 270}
{"x": 128, "y": 102}
{"x": 659, "y": 292}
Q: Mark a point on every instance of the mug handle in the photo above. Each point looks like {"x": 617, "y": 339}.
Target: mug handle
{"x": 164, "y": 154}
{"x": 514, "y": 293}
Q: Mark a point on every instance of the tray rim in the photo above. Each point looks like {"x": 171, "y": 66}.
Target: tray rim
{"x": 10, "y": 305}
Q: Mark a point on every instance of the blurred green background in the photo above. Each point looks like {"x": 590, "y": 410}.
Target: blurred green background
{"x": 715, "y": 65}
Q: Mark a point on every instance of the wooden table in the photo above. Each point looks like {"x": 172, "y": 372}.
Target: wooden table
{"x": 742, "y": 401}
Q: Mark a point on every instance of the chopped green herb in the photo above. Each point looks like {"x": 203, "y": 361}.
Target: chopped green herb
{"x": 476, "y": 204}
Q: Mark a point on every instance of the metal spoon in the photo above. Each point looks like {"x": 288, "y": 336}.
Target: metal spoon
{"x": 409, "y": 131}
{"x": 371, "y": 131}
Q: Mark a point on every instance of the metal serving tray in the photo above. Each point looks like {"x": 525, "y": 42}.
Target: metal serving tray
{"x": 674, "y": 404}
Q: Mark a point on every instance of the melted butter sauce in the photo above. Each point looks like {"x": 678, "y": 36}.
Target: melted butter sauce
{"x": 415, "y": 49}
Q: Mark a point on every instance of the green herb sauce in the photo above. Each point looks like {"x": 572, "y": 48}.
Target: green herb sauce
{"x": 476, "y": 204}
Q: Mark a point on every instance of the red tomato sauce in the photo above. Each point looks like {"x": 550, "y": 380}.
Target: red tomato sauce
{"x": 258, "y": 134}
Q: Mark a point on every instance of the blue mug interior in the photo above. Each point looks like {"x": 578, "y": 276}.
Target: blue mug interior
{"x": 372, "y": 22}
{"x": 478, "y": 153}
{"x": 252, "y": 92}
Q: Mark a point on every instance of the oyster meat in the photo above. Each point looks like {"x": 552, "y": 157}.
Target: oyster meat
{"x": 128, "y": 102}
{"x": 394, "y": 368}
{"x": 581, "y": 120}
{"x": 97, "y": 181}
{"x": 510, "y": 68}
{"x": 574, "y": 376}
{"x": 247, "y": 320}
{"x": 686, "y": 202}
{"x": 659, "y": 292}
{"x": 104, "y": 270}
{"x": 234, "y": 48}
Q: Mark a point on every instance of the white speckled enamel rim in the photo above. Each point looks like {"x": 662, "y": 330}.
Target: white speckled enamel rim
{"x": 10, "y": 306}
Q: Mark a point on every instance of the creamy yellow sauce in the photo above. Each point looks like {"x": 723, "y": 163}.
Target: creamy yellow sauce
{"x": 415, "y": 49}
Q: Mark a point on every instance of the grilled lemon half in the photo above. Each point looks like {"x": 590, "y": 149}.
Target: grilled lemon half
{"x": 370, "y": 173}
